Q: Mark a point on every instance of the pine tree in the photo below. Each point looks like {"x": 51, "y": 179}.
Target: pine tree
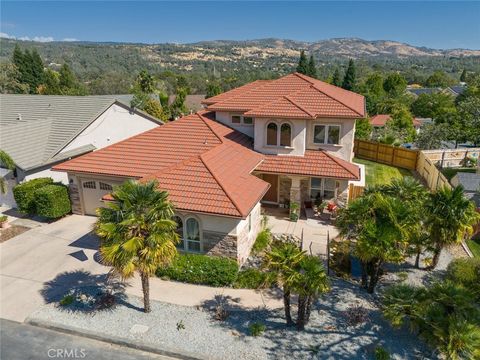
{"x": 463, "y": 77}
{"x": 336, "y": 80}
{"x": 349, "y": 79}
{"x": 67, "y": 78}
{"x": 312, "y": 68}
{"x": 302, "y": 67}
{"x": 37, "y": 70}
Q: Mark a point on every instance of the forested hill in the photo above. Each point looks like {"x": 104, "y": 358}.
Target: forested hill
{"x": 111, "y": 67}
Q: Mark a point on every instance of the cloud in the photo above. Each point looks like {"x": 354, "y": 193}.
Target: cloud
{"x": 26, "y": 38}
{"x": 69, "y": 39}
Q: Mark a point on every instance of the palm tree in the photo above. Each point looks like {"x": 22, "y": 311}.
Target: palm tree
{"x": 282, "y": 260}
{"x": 450, "y": 216}
{"x": 309, "y": 281}
{"x": 6, "y": 162}
{"x": 137, "y": 232}
{"x": 378, "y": 224}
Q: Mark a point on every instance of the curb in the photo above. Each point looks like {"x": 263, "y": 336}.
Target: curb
{"x": 111, "y": 340}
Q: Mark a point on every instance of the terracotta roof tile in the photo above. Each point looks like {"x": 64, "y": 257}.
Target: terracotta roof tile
{"x": 380, "y": 120}
{"x": 295, "y": 96}
{"x": 315, "y": 163}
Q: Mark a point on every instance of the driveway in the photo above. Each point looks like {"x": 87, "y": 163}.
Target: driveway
{"x": 30, "y": 259}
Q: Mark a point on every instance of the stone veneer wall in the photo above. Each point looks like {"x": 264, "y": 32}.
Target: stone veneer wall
{"x": 304, "y": 185}
{"x": 219, "y": 244}
{"x": 75, "y": 199}
{"x": 285, "y": 185}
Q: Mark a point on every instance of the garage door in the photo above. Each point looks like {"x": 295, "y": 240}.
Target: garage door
{"x": 93, "y": 191}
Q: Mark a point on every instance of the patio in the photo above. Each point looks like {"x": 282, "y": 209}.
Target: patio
{"x": 314, "y": 231}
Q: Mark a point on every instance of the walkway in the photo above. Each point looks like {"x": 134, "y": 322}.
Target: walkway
{"x": 39, "y": 255}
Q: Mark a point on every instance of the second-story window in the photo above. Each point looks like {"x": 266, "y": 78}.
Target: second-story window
{"x": 285, "y": 135}
{"x": 248, "y": 120}
{"x": 272, "y": 134}
{"x": 236, "y": 119}
{"x": 326, "y": 134}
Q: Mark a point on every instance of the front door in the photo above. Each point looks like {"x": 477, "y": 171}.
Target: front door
{"x": 272, "y": 194}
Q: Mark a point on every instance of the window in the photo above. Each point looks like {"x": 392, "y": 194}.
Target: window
{"x": 248, "y": 120}
{"x": 333, "y": 134}
{"x": 89, "y": 185}
{"x": 326, "y": 134}
{"x": 272, "y": 134}
{"x": 329, "y": 188}
{"x": 104, "y": 186}
{"x": 179, "y": 231}
{"x": 285, "y": 135}
{"x": 316, "y": 189}
{"x": 236, "y": 119}
{"x": 192, "y": 235}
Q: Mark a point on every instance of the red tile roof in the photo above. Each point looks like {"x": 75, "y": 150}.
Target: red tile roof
{"x": 205, "y": 166}
{"x": 315, "y": 163}
{"x": 380, "y": 120}
{"x": 292, "y": 96}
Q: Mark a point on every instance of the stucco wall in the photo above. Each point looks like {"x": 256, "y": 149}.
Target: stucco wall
{"x": 298, "y": 137}
{"x": 246, "y": 238}
{"x": 226, "y": 118}
{"x": 115, "y": 124}
{"x": 347, "y": 132}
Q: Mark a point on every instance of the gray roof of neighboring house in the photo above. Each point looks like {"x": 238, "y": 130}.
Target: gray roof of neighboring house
{"x": 34, "y": 128}
{"x": 420, "y": 91}
{"x": 457, "y": 90}
{"x": 469, "y": 181}
{"x": 192, "y": 102}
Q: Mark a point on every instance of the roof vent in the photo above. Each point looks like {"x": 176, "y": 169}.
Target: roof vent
{"x": 205, "y": 141}
{"x": 19, "y": 116}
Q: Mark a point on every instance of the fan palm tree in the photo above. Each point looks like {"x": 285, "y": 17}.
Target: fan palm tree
{"x": 450, "y": 216}
{"x": 378, "y": 223}
{"x": 308, "y": 281}
{"x": 6, "y": 162}
{"x": 282, "y": 260}
{"x": 137, "y": 232}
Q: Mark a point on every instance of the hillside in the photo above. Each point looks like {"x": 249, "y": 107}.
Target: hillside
{"x": 241, "y": 60}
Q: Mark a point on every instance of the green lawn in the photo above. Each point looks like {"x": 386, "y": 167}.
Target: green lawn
{"x": 474, "y": 246}
{"x": 378, "y": 174}
{"x": 450, "y": 172}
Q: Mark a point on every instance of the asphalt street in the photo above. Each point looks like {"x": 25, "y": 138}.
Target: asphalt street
{"x": 19, "y": 341}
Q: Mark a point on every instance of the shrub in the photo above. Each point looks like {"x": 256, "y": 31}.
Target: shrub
{"x": 263, "y": 239}
{"x": 24, "y": 194}
{"x": 256, "y": 329}
{"x": 52, "y": 201}
{"x": 201, "y": 269}
{"x": 465, "y": 272}
{"x": 67, "y": 300}
{"x": 253, "y": 279}
{"x": 340, "y": 261}
{"x": 381, "y": 353}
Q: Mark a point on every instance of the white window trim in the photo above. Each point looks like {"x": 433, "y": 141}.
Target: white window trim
{"x": 327, "y": 129}
{"x": 279, "y": 131}
{"x": 184, "y": 230}
{"x": 322, "y": 187}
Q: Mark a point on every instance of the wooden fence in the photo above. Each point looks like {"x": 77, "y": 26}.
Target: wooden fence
{"x": 451, "y": 157}
{"x": 354, "y": 191}
{"x": 386, "y": 154}
{"x": 429, "y": 172}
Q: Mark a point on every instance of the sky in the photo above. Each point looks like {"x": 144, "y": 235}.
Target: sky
{"x": 434, "y": 24}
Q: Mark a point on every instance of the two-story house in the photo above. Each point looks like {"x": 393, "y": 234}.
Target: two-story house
{"x": 276, "y": 141}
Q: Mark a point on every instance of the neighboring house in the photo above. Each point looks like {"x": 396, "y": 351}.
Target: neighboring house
{"x": 416, "y": 92}
{"x": 471, "y": 185}
{"x": 192, "y": 102}
{"x": 39, "y": 131}
{"x": 455, "y": 90}
{"x": 276, "y": 141}
{"x": 379, "y": 121}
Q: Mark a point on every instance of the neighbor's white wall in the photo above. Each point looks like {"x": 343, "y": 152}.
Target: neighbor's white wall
{"x": 347, "y": 132}
{"x": 298, "y": 137}
{"x": 226, "y": 118}
{"x": 114, "y": 125}
{"x": 55, "y": 175}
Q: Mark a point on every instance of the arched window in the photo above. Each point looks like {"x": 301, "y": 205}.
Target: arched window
{"x": 272, "y": 129}
{"x": 192, "y": 235}
{"x": 285, "y": 135}
{"x": 179, "y": 230}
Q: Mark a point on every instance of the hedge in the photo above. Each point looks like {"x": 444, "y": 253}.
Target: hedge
{"x": 52, "y": 201}
{"x": 24, "y": 194}
{"x": 201, "y": 269}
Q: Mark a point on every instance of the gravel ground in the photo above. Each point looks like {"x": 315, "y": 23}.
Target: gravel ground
{"x": 194, "y": 331}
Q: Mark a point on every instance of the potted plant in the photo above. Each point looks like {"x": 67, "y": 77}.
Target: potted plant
{"x": 294, "y": 207}
{"x": 3, "y": 221}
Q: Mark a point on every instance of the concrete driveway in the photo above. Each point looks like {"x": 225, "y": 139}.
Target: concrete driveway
{"x": 30, "y": 259}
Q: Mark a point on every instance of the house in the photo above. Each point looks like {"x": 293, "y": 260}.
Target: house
{"x": 192, "y": 102}
{"x": 39, "y": 131}
{"x": 379, "y": 121}
{"x": 416, "y": 92}
{"x": 455, "y": 90}
{"x": 471, "y": 185}
{"x": 278, "y": 142}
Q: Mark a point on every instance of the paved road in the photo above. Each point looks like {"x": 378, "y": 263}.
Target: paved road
{"x": 25, "y": 342}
